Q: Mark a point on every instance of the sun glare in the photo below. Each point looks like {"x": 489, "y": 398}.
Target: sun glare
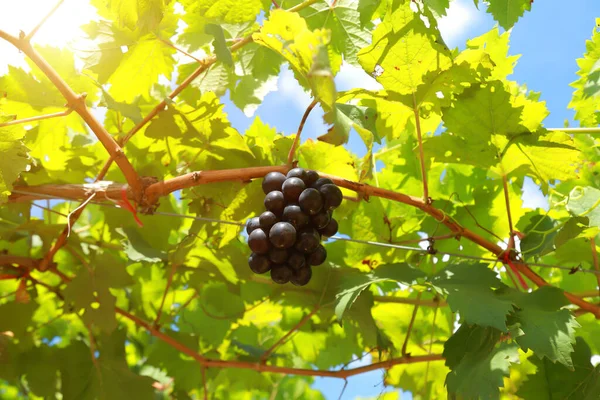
{"x": 60, "y": 30}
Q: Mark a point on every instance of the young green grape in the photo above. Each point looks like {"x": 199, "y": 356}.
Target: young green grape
{"x": 272, "y": 182}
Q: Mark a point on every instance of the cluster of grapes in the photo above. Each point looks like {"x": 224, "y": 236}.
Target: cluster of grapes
{"x": 286, "y": 239}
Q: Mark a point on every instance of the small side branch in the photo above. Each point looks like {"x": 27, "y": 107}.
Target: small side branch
{"x": 43, "y": 21}
{"x": 410, "y": 326}
{"x": 38, "y": 118}
{"x": 211, "y": 363}
{"x": 595, "y": 258}
{"x": 296, "y": 142}
{"x": 421, "y": 153}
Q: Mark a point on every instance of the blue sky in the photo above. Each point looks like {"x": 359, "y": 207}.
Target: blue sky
{"x": 550, "y": 38}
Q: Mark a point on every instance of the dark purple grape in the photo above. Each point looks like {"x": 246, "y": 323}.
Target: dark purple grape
{"x": 278, "y": 256}
{"x": 331, "y": 228}
{"x": 320, "y": 182}
{"x": 311, "y": 177}
{"x": 258, "y": 241}
{"x": 292, "y": 187}
{"x": 332, "y": 196}
{"x": 320, "y": 220}
{"x": 318, "y": 257}
{"x": 308, "y": 241}
{"x": 275, "y": 202}
{"x": 297, "y": 173}
{"x": 282, "y": 235}
{"x": 302, "y": 276}
{"x": 272, "y": 181}
{"x": 252, "y": 224}
{"x": 311, "y": 201}
{"x": 296, "y": 260}
{"x": 294, "y": 215}
{"x": 259, "y": 263}
{"x": 267, "y": 220}
{"x": 281, "y": 273}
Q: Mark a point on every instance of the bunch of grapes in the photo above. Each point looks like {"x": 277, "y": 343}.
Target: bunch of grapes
{"x": 286, "y": 239}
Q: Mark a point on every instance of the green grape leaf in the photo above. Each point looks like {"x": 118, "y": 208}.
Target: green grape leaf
{"x": 221, "y": 50}
{"x": 545, "y": 328}
{"x": 552, "y": 380}
{"x": 478, "y": 364}
{"x": 342, "y": 18}
{"x": 471, "y": 292}
{"x": 583, "y": 202}
{"x": 403, "y": 51}
{"x": 534, "y": 153}
{"x": 539, "y": 234}
{"x": 508, "y": 12}
{"x": 352, "y": 285}
{"x": 16, "y": 317}
{"x": 13, "y": 158}
{"x": 140, "y": 68}
{"x": 587, "y": 87}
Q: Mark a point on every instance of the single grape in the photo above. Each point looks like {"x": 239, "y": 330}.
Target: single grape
{"x": 275, "y": 202}
{"x": 302, "y": 276}
{"x": 278, "y": 256}
{"x": 311, "y": 177}
{"x": 282, "y": 235}
{"x": 320, "y": 182}
{"x": 332, "y": 196}
{"x": 294, "y": 215}
{"x": 267, "y": 220}
{"x": 292, "y": 187}
{"x": 272, "y": 181}
{"x": 259, "y": 263}
{"x": 308, "y": 241}
{"x": 296, "y": 260}
{"x": 297, "y": 173}
{"x": 310, "y": 201}
{"x": 331, "y": 228}
{"x": 258, "y": 241}
{"x": 252, "y": 224}
{"x": 281, "y": 273}
{"x": 318, "y": 257}
{"x": 320, "y": 220}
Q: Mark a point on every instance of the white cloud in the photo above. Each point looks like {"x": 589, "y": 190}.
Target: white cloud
{"x": 351, "y": 76}
{"x": 290, "y": 89}
{"x": 460, "y": 17}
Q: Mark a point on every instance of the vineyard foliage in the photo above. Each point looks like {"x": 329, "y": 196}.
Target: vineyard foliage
{"x": 106, "y": 307}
